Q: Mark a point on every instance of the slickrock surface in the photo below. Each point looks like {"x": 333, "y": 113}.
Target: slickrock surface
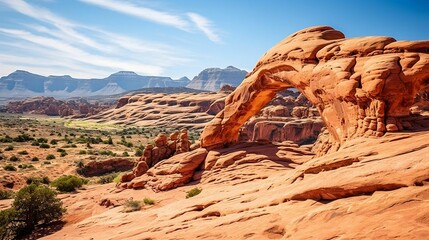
{"x": 366, "y": 177}
{"x": 372, "y": 188}
{"x": 189, "y": 110}
{"x": 361, "y": 86}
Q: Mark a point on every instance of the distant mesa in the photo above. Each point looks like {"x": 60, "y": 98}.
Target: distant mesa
{"x": 212, "y": 79}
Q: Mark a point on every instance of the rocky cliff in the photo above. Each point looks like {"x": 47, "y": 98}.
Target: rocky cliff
{"x": 212, "y": 79}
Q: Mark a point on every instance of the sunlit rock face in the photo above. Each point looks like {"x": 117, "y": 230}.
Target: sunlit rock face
{"x": 361, "y": 86}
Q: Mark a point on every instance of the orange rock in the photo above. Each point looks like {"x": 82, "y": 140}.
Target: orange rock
{"x": 348, "y": 80}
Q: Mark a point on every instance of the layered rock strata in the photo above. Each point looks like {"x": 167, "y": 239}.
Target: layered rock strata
{"x": 361, "y": 86}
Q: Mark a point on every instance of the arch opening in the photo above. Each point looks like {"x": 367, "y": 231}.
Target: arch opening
{"x": 361, "y": 86}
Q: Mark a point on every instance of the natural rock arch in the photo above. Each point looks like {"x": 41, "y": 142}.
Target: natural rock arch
{"x": 361, "y": 86}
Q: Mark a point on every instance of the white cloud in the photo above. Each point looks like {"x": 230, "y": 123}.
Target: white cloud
{"x": 174, "y": 20}
{"x": 205, "y": 26}
{"x": 85, "y": 49}
{"x": 142, "y": 12}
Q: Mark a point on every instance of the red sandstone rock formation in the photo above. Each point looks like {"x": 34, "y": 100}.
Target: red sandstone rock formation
{"x": 97, "y": 168}
{"x": 164, "y": 148}
{"x": 361, "y": 86}
{"x": 53, "y": 107}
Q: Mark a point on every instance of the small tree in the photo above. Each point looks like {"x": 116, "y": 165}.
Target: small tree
{"x": 33, "y": 205}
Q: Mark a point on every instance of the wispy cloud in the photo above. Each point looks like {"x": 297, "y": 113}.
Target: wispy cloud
{"x": 84, "y": 49}
{"x": 205, "y": 26}
{"x": 185, "y": 22}
{"x": 142, "y": 12}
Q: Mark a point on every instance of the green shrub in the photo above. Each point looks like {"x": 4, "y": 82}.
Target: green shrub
{"x": 68, "y": 183}
{"x": 148, "y": 201}
{"x": 14, "y": 158}
{"x": 193, "y": 192}
{"x": 9, "y": 167}
{"x": 63, "y": 154}
{"x": 44, "y": 145}
{"x": 80, "y": 164}
{"x": 34, "y": 143}
{"x": 108, "y": 178}
{"x": 23, "y": 138}
{"x": 9, "y": 148}
{"x": 38, "y": 180}
{"x": 132, "y": 205}
{"x": 23, "y": 152}
{"x": 46, "y": 162}
{"x": 42, "y": 140}
{"x": 139, "y": 152}
{"x": 35, "y": 159}
{"x": 82, "y": 152}
{"x": 33, "y": 205}
{"x": 6, "y": 139}
{"x": 53, "y": 142}
{"x": 6, "y": 194}
{"x": 60, "y": 150}
{"x": 50, "y": 157}
{"x": 125, "y": 154}
{"x": 118, "y": 178}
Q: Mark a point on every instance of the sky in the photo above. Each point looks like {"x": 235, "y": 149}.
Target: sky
{"x": 95, "y": 38}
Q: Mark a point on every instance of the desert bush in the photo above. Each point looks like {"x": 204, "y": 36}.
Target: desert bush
{"x": 44, "y": 145}
{"x": 54, "y": 142}
{"x": 2, "y": 157}
{"x": 138, "y": 152}
{"x": 38, "y": 180}
{"x": 82, "y": 152}
{"x": 50, "y": 157}
{"x": 132, "y": 205}
{"x": 6, "y": 194}
{"x": 14, "y": 158}
{"x": 9, "y": 148}
{"x": 23, "y": 138}
{"x": 33, "y": 205}
{"x": 63, "y": 154}
{"x": 46, "y": 162}
{"x": 35, "y": 159}
{"x": 148, "y": 201}
{"x": 34, "y": 143}
{"x": 60, "y": 150}
{"x": 68, "y": 183}
{"x": 23, "y": 152}
{"x": 193, "y": 192}
{"x": 80, "y": 164}
{"x": 9, "y": 167}
{"x": 125, "y": 154}
{"x": 107, "y": 178}
{"x": 42, "y": 140}
{"x": 6, "y": 139}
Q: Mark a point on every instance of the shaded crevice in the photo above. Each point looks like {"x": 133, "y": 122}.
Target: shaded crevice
{"x": 334, "y": 193}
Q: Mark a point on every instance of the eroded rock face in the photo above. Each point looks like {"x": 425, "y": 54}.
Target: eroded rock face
{"x": 53, "y": 107}
{"x": 97, "y": 168}
{"x": 171, "y": 173}
{"x": 361, "y": 86}
{"x": 164, "y": 148}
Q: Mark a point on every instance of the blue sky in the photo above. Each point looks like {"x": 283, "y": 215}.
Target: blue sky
{"x": 94, "y": 38}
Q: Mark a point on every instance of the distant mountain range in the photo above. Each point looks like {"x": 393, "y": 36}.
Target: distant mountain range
{"x": 23, "y": 84}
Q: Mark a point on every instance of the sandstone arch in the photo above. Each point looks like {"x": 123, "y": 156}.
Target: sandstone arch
{"x": 361, "y": 86}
